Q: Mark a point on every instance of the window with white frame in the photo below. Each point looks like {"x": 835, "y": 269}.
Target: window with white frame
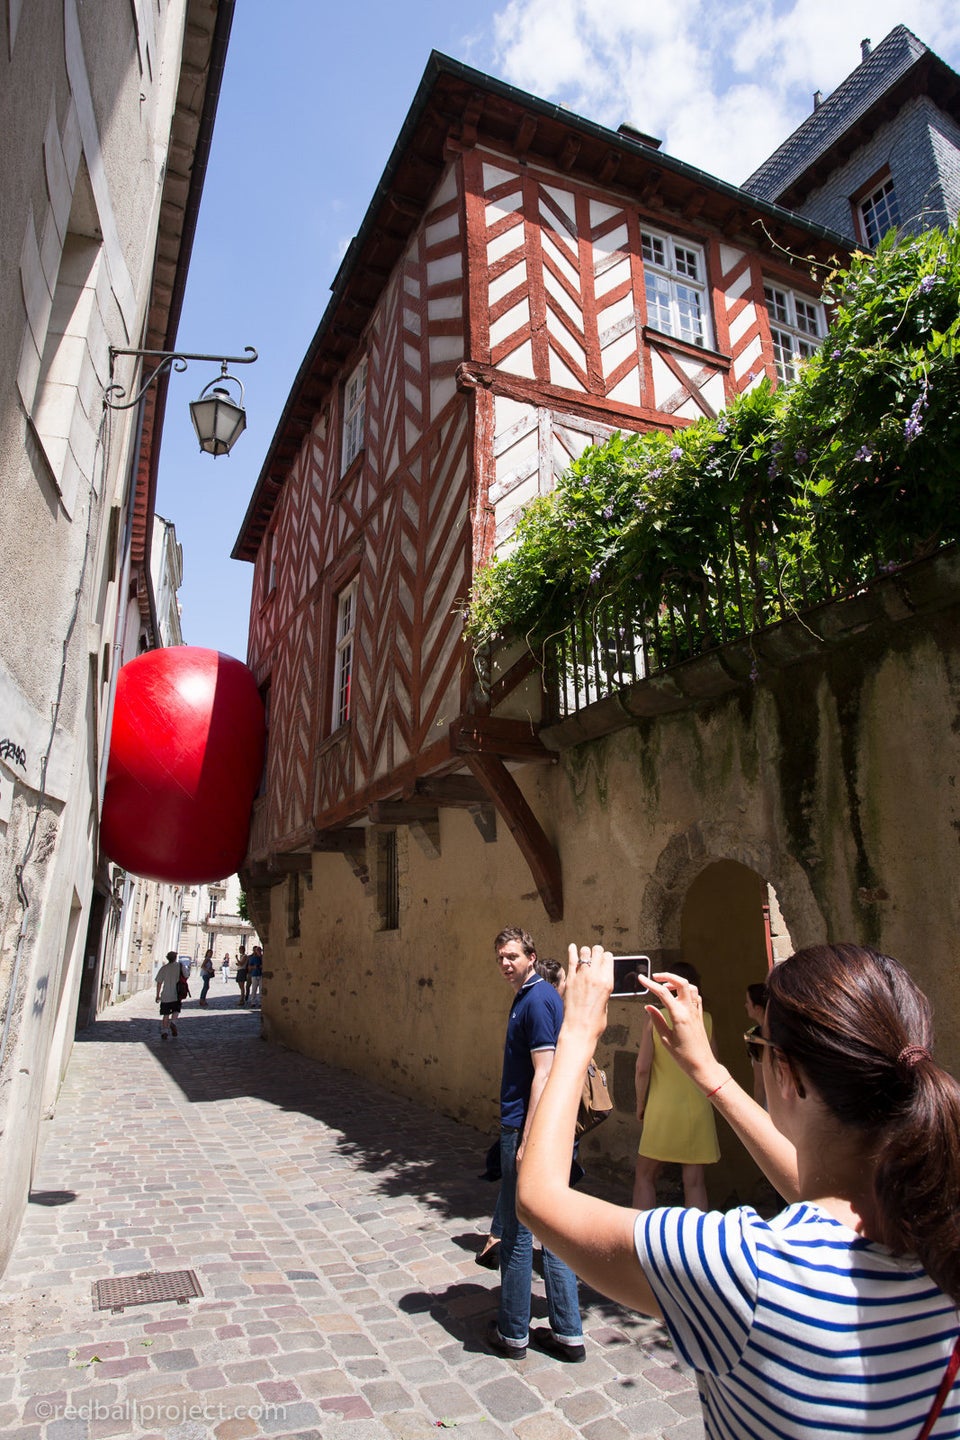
{"x": 797, "y": 326}
{"x": 879, "y": 212}
{"x": 354, "y": 413}
{"x": 675, "y": 281}
{"x": 343, "y": 665}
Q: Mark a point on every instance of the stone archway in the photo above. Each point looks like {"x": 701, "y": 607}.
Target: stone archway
{"x": 706, "y": 900}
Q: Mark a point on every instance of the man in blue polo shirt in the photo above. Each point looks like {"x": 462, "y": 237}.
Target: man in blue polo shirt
{"x": 532, "y": 1030}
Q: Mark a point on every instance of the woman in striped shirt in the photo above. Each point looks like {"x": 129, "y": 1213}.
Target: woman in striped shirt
{"x": 839, "y": 1316}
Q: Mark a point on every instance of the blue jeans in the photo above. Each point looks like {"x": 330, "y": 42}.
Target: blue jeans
{"x": 516, "y": 1267}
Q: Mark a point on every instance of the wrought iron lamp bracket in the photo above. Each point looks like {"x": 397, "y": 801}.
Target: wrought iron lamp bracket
{"x": 168, "y": 360}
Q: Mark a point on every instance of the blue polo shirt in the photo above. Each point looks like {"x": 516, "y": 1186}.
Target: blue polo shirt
{"x": 534, "y": 1024}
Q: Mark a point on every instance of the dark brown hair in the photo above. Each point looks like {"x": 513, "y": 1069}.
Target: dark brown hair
{"x": 859, "y": 1029}
{"x": 513, "y": 932}
{"x": 551, "y": 970}
{"x": 757, "y": 993}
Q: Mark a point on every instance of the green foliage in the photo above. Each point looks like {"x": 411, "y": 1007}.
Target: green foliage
{"x": 789, "y": 496}
{"x": 242, "y": 906}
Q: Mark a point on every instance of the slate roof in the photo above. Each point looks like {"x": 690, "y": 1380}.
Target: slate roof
{"x": 865, "y": 88}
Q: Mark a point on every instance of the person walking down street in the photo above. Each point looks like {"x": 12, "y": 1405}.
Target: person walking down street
{"x": 225, "y": 969}
{"x": 255, "y": 973}
{"x": 839, "y": 1315}
{"x": 532, "y": 1029}
{"x": 168, "y": 994}
{"x": 678, "y": 1123}
{"x": 206, "y": 973}
{"x": 242, "y": 976}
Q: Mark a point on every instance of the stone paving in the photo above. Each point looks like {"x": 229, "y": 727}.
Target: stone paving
{"x": 332, "y": 1228}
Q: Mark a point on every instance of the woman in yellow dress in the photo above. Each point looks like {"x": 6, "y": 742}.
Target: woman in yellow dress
{"x": 677, "y": 1118}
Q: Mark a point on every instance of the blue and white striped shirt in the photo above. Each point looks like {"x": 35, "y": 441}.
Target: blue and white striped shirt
{"x": 797, "y": 1326}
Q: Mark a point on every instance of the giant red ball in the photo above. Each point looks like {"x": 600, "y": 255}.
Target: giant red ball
{"x": 186, "y": 755}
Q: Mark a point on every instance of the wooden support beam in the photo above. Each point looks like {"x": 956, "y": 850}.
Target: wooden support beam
{"x": 485, "y": 818}
{"x": 487, "y": 734}
{"x": 290, "y": 863}
{"x": 402, "y": 812}
{"x": 349, "y": 840}
{"x": 525, "y": 828}
{"x": 450, "y": 790}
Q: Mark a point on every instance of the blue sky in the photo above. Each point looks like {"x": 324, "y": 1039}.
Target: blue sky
{"x": 313, "y": 97}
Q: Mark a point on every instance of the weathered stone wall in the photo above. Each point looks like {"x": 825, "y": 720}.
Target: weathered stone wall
{"x": 831, "y": 780}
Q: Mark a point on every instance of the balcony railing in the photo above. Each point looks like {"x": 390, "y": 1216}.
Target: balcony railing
{"x": 760, "y": 580}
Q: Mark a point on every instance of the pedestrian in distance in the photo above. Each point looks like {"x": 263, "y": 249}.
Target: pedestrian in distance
{"x": 207, "y": 970}
{"x": 532, "y": 1029}
{"x": 242, "y": 976}
{"x": 255, "y": 975}
{"x": 225, "y": 969}
{"x": 839, "y": 1315}
{"x": 168, "y": 980}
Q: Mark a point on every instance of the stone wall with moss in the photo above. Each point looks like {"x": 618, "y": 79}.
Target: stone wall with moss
{"x": 829, "y": 785}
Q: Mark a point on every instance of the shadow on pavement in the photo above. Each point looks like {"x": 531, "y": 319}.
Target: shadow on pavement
{"x": 218, "y": 1055}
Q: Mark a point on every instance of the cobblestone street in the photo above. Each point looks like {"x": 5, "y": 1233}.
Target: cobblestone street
{"x": 332, "y": 1229}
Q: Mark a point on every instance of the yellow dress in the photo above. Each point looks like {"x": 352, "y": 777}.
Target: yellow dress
{"x": 678, "y": 1123}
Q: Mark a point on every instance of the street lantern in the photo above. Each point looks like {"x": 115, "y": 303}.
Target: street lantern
{"x": 218, "y": 419}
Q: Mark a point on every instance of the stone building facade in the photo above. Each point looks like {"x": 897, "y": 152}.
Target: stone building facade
{"x": 105, "y": 110}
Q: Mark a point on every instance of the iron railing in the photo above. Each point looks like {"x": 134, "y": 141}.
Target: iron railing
{"x": 763, "y": 578}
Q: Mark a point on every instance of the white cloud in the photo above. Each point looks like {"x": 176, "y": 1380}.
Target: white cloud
{"x": 721, "y": 86}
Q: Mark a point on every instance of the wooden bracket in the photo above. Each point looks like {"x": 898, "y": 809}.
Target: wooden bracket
{"x": 350, "y": 841}
{"x": 292, "y": 863}
{"x": 488, "y": 734}
{"x": 450, "y": 790}
{"x": 536, "y": 849}
{"x": 485, "y": 818}
{"x": 402, "y": 812}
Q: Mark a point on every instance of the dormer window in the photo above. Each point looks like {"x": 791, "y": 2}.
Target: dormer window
{"x": 674, "y": 278}
{"x": 354, "y": 415}
{"x": 879, "y": 212}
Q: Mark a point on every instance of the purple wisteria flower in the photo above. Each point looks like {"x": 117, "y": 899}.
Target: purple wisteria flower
{"x": 594, "y": 575}
{"x": 570, "y": 524}
{"x": 864, "y": 453}
{"x": 754, "y": 673}
{"x": 773, "y": 469}
{"x": 607, "y": 512}
{"x": 676, "y": 453}
{"x": 655, "y": 474}
{"x": 800, "y": 455}
{"x": 927, "y": 284}
{"x": 835, "y": 354}
{"x": 640, "y": 504}
{"x": 722, "y": 426}
{"x": 913, "y": 425}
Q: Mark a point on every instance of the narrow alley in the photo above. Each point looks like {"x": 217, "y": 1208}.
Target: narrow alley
{"x": 332, "y": 1231}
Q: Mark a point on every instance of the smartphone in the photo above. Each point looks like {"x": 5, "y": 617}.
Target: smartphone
{"x": 629, "y": 974}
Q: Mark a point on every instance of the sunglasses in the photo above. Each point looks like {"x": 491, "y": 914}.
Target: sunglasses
{"x": 755, "y": 1046}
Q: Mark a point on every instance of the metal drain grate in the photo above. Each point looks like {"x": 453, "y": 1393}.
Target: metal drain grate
{"x": 147, "y": 1289}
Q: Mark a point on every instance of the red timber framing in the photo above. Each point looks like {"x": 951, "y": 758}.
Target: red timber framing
{"x": 495, "y": 297}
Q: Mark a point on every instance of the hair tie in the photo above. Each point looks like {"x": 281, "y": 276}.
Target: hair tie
{"x": 911, "y": 1055}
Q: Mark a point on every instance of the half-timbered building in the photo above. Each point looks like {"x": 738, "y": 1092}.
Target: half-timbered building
{"x": 525, "y": 282}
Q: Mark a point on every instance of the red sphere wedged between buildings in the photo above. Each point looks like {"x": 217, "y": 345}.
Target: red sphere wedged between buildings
{"x": 186, "y": 755}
